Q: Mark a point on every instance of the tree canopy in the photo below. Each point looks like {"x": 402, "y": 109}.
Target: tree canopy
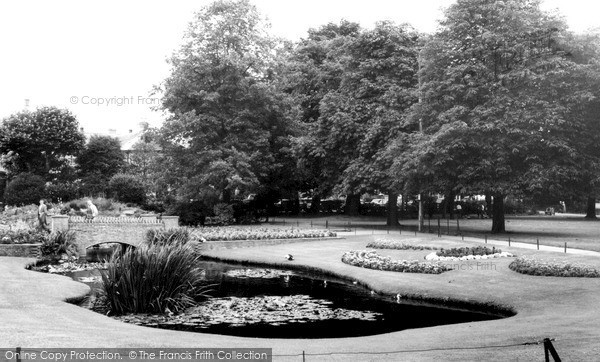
{"x": 101, "y": 157}
{"x": 355, "y": 87}
{"x": 492, "y": 83}
{"x": 227, "y": 119}
{"x": 41, "y": 142}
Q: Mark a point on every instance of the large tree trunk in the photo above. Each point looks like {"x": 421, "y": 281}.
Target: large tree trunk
{"x": 226, "y": 196}
{"x": 352, "y": 205}
{"x": 498, "y": 223}
{"x": 296, "y": 204}
{"x": 392, "y": 210}
{"x": 591, "y": 208}
{"x": 488, "y": 204}
{"x": 315, "y": 204}
{"x": 450, "y": 204}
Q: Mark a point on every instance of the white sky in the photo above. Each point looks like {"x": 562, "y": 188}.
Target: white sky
{"x": 51, "y": 51}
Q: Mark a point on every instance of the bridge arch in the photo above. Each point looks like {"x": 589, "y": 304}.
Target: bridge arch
{"x": 123, "y": 230}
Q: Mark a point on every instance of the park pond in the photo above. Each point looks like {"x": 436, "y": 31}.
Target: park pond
{"x": 276, "y": 303}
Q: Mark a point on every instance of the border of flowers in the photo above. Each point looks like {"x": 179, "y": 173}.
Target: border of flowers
{"x": 371, "y": 260}
{"x": 531, "y": 266}
{"x": 396, "y": 245}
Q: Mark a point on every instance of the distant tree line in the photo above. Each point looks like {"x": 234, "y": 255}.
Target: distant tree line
{"x": 502, "y": 100}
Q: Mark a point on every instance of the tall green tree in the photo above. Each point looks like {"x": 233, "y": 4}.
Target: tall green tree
{"x": 227, "y": 118}
{"x": 100, "y": 159}
{"x": 581, "y": 93}
{"x": 370, "y": 83}
{"x": 312, "y": 71}
{"x": 491, "y": 108}
{"x": 102, "y": 155}
{"x": 42, "y": 142}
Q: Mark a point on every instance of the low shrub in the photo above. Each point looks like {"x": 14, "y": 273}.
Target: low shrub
{"x": 155, "y": 278}
{"x": 191, "y": 213}
{"x": 530, "y": 266}
{"x": 106, "y": 207}
{"x": 22, "y": 236}
{"x": 167, "y": 237}
{"x": 59, "y": 243}
{"x": 466, "y": 251}
{"x": 21, "y": 217}
{"x": 224, "y": 214}
{"x": 127, "y": 188}
{"x": 24, "y": 189}
{"x": 58, "y": 192}
{"x": 94, "y": 185}
{"x": 372, "y": 260}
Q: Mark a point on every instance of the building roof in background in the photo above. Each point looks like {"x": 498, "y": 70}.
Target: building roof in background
{"x": 128, "y": 140}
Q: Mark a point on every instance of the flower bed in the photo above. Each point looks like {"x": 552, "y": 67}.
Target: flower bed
{"x": 65, "y": 266}
{"x": 22, "y": 236}
{"x": 372, "y": 260}
{"x": 233, "y": 233}
{"x": 532, "y": 266}
{"x": 397, "y": 245}
{"x": 466, "y": 253}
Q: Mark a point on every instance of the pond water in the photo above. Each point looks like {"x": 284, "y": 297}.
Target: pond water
{"x": 274, "y": 303}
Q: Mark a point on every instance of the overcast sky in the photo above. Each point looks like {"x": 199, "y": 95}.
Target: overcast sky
{"x": 77, "y": 54}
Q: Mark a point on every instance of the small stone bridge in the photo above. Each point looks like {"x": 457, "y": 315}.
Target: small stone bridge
{"x": 123, "y": 230}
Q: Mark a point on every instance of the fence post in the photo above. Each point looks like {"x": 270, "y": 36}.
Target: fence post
{"x": 439, "y": 227}
{"x": 565, "y": 246}
{"x": 509, "y": 241}
{"x": 538, "y": 243}
{"x": 326, "y": 224}
{"x": 457, "y": 226}
{"x": 448, "y": 225}
{"x": 303, "y": 357}
{"x": 311, "y": 224}
{"x": 548, "y": 347}
{"x": 486, "y": 239}
{"x": 430, "y": 224}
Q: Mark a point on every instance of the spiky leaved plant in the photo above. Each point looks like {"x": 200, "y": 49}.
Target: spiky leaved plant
{"x": 153, "y": 278}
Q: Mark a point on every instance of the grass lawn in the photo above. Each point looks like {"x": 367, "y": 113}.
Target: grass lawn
{"x": 547, "y": 307}
{"x": 32, "y": 308}
{"x": 555, "y": 230}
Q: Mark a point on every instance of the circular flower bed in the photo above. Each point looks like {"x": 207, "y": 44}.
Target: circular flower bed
{"x": 532, "y": 266}
{"x": 466, "y": 253}
{"x": 397, "y": 245}
{"x": 372, "y": 260}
